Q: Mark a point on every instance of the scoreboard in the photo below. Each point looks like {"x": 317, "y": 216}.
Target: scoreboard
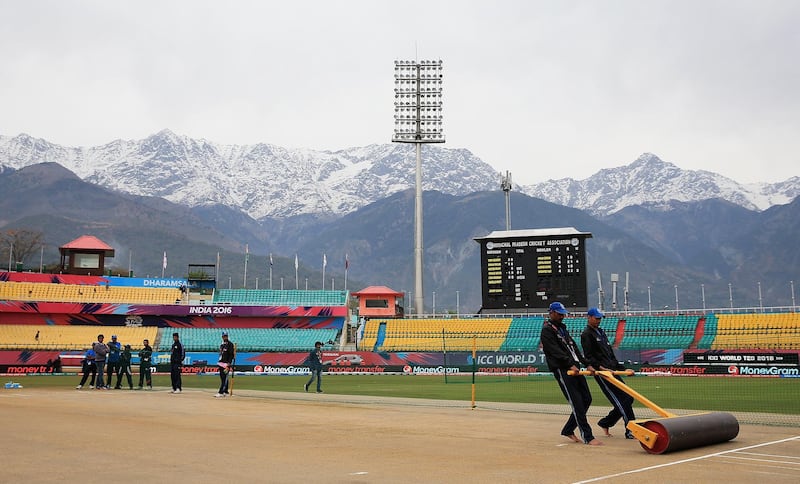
{"x": 529, "y": 269}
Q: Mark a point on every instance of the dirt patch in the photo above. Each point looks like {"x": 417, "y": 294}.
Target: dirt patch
{"x": 55, "y": 435}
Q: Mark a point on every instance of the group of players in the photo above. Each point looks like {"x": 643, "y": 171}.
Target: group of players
{"x": 113, "y": 358}
{"x": 564, "y": 360}
{"x": 116, "y": 359}
{"x": 563, "y": 356}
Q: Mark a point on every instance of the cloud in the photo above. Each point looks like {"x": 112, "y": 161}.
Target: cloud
{"x": 544, "y": 89}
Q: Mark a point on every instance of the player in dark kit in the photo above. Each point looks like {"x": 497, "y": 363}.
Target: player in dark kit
{"x": 599, "y": 353}
{"x": 315, "y": 365}
{"x": 562, "y": 356}
{"x": 225, "y": 364}
{"x": 145, "y": 360}
{"x": 114, "y": 350}
{"x": 124, "y": 368}
{"x": 176, "y": 356}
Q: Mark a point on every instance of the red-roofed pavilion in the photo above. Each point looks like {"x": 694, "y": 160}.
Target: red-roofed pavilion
{"x": 379, "y": 302}
{"x": 85, "y": 256}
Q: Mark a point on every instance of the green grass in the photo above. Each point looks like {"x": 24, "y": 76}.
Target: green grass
{"x": 758, "y": 395}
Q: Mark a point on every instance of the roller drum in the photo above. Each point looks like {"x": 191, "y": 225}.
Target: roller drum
{"x": 689, "y": 431}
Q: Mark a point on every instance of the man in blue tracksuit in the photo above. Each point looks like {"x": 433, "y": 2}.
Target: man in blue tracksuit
{"x": 89, "y": 368}
{"x": 563, "y": 355}
{"x": 599, "y": 353}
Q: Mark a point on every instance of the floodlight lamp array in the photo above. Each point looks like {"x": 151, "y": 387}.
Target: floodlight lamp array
{"x": 418, "y": 102}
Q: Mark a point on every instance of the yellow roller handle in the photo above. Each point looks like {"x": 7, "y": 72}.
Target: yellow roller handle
{"x": 609, "y": 377}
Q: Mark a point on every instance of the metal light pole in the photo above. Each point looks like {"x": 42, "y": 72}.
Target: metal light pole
{"x": 600, "y": 294}
{"x": 434, "y": 304}
{"x": 677, "y": 307}
{"x": 649, "y": 300}
{"x": 458, "y": 308}
{"x": 703, "y": 295}
{"x": 418, "y": 119}
{"x": 625, "y": 295}
{"x": 730, "y": 294}
{"x": 760, "y": 302}
{"x": 614, "y": 280}
{"x": 505, "y": 185}
{"x": 791, "y": 286}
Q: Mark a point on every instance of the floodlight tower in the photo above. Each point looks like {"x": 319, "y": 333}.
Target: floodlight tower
{"x": 418, "y": 119}
{"x": 505, "y": 185}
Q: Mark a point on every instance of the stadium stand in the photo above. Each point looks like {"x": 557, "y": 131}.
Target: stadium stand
{"x": 780, "y": 331}
{"x": 709, "y": 331}
{"x": 249, "y": 339}
{"x": 67, "y": 337}
{"x": 270, "y": 297}
{"x": 79, "y": 293}
{"x": 454, "y": 334}
{"x": 524, "y": 334}
{"x": 666, "y": 332}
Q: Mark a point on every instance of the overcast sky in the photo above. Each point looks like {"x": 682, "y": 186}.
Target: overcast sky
{"x": 544, "y": 89}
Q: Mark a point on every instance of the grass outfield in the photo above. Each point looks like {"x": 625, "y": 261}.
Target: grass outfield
{"x": 757, "y": 395}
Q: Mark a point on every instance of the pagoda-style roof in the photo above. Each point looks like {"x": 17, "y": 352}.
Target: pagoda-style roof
{"x": 89, "y": 242}
{"x": 377, "y": 291}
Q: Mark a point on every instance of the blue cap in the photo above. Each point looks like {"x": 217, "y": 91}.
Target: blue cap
{"x": 595, "y": 313}
{"x": 559, "y": 308}
{"x": 224, "y": 333}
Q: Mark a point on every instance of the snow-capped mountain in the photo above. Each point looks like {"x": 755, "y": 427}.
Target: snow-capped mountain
{"x": 653, "y": 182}
{"x": 265, "y": 180}
{"x": 262, "y": 180}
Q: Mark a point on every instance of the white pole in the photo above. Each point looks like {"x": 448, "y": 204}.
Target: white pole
{"x": 458, "y": 308}
{"x": 791, "y": 286}
{"x": 246, "y": 256}
{"x": 419, "y": 294}
{"x": 730, "y": 294}
{"x": 677, "y": 307}
{"x": 41, "y": 260}
{"x": 760, "y": 302}
{"x": 434, "y": 304}
{"x": 703, "y": 295}
{"x": 649, "y": 300}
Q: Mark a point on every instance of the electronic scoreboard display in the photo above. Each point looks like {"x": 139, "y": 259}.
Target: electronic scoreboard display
{"x": 529, "y": 269}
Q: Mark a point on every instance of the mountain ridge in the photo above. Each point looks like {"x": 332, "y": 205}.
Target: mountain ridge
{"x": 268, "y": 181}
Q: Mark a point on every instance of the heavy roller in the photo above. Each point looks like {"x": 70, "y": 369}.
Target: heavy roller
{"x": 673, "y": 432}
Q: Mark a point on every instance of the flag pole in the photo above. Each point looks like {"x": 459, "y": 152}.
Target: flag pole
{"x": 346, "y": 266}
{"x": 246, "y": 256}
{"x": 324, "y": 263}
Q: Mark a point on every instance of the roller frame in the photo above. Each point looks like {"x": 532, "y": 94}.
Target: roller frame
{"x": 650, "y": 440}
